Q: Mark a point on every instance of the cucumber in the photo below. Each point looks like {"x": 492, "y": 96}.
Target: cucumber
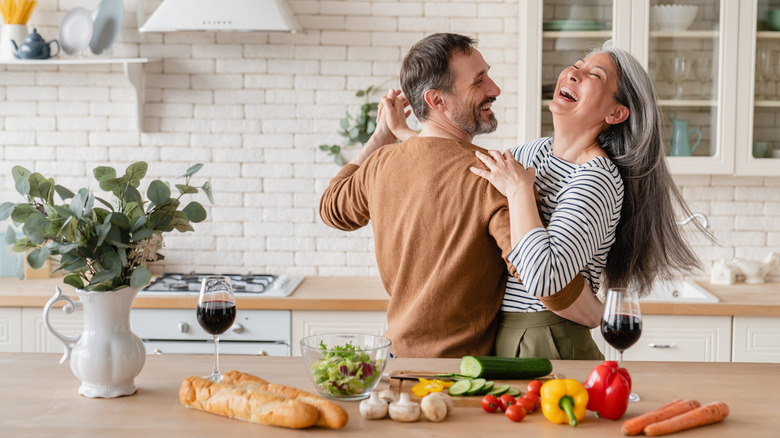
{"x": 499, "y": 390}
{"x": 491, "y": 367}
{"x": 460, "y": 387}
{"x": 476, "y": 386}
{"x": 514, "y": 392}
{"x": 487, "y": 388}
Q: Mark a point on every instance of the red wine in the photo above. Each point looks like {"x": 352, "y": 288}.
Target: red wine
{"x": 216, "y": 316}
{"x": 621, "y": 331}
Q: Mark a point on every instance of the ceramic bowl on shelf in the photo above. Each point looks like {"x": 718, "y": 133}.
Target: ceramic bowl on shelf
{"x": 672, "y": 17}
{"x": 345, "y": 366}
{"x": 773, "y": 19}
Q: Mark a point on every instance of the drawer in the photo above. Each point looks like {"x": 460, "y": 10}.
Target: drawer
{"x": 207, "y": 347}
{"x": 756, "y": 339}
{"x": 182, "y": 325}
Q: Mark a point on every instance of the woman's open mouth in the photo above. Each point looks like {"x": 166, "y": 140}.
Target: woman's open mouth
{"x": 568, "y": 94}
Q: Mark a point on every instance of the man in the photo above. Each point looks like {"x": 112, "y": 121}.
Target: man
{"x": 441, "y": 233}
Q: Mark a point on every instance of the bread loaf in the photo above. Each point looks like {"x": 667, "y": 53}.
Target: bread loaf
{"x": 242, "y": 404}
{"x": 331, "y": 414}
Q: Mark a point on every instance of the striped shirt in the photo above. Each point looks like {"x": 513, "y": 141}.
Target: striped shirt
{"x": 580, "y": 209}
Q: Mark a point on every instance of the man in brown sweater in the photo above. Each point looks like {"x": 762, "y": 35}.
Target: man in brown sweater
{"x": 441, "y": 233}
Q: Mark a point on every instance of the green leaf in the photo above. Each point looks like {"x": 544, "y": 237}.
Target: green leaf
{"x": 106, "y": 176}
{"x": 64, "y": 193}
{"x": 70, "y": 230}
{"x": 180, "y": 222}
{"x": 136, "y": 172}
{"x": 74, "y": 280}
{"x": 36, "y": 180}
{"x": 23, "y": 245}
{"x": 140, "y": 222}
{"x": 140, "y": 277}
{"x": 344, "y": 124}
{"x": 120, "y": 220}
{"x": 78, "y": 203}
{"x": 158, "y": 192}
{"x": 338, "y": 160}
{"x": 185, "y": 189}
{"x": 102, "y": 231}
{"x": 132, "y": 194}
{"x": 142, "y": 234}
{"x": 10, "y": 236}
{"x": 21, "y": 179}
{"x": 207, "y": 190}
{"x": 193, "y": 170}
{"x": 324, "y": 147}
{"x": 360, "y": 93}
{"x": 22, "y": 212}
{"x": 37, "y": 257}
{"x": 104, "y": 275}
{"x": 6, "y": 208}
{"x": 35, "y": 228}
{"x": 195, "y": 212}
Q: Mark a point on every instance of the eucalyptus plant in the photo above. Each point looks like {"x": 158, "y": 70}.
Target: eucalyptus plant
{"x": 103, "y": 244}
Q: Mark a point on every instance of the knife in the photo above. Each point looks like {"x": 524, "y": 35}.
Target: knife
{"x": 414, "y": 375}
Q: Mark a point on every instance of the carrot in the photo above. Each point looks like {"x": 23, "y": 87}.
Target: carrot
{"x": 636, "y": 425}
{"x": 711, "y": 413}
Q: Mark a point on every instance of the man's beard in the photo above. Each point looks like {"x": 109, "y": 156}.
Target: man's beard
{"x": 471, "y": 122}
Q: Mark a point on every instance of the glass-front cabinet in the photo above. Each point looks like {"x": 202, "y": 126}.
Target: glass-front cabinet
{"x": 715, "y": 65}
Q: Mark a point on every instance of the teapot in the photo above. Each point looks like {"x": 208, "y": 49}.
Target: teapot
{"x": 681, "y": 146}
{"x": 35, "y": 47}
{"x": 755, "y": 271}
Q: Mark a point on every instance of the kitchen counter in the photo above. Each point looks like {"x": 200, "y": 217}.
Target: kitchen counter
{"x": 367, "y": 293}
{"x": 40, "y": 399}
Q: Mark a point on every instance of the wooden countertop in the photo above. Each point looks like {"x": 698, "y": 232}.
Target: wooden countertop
{"x": 367, "y": 293}
{"x": 40, "y": 399}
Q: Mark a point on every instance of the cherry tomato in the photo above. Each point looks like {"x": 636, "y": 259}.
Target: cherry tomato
{"x": 527, "y": 404}
{"x": 535, "y": 387}
{"x": 490, "y": 403}
{"x": 537, "y": 401}
{"x": 515, "y": 413}
{"x": 505, "y": 401}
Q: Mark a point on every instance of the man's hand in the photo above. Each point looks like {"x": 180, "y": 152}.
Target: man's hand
{"x": 392, "y": 108}
{"x": 382, "y": 135}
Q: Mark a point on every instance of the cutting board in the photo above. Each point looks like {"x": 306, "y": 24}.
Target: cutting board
{"x": 402, "y": 381}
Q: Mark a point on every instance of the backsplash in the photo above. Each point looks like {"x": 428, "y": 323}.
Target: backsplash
{"x": 254, "y": 107}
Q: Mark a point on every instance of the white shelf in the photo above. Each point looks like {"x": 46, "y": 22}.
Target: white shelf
{"x": 684, "y": 34}
{"x": 134, "y": 70}
{"x": 577, "y": 34}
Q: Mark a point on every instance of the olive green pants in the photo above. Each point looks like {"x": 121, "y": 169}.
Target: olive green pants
{"x": 544, "y": 334}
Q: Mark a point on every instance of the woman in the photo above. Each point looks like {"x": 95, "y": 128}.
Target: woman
{"x": 607, "y": 201}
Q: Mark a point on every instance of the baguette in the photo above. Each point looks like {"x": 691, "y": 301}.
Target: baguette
{"x": 331, "y": 414}
{"x": 252, "y": 406}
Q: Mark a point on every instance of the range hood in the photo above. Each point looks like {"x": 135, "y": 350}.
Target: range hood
{"x": 222, "y": 16}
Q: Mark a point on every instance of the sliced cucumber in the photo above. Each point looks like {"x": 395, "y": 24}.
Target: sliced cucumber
{"x": 514, "y": 392}
{"x": 499, "y": 390}
{"x": 460, "y": 387}
{"x": 476, "y": 386}
{"x": 487, "y": 388}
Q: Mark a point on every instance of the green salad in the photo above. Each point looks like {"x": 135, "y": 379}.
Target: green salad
{"x": 345, "y": 370}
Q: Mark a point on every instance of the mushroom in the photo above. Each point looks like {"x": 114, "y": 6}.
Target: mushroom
{"x": 434, "y": 408}
{"x": 446, "y": 398}
{"x": 373, "y": 408}
{"x": 405, "y": 410}
{"x": 388, "y": 395}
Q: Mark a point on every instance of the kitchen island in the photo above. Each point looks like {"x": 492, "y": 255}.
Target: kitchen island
{"x": 40, "y": 399}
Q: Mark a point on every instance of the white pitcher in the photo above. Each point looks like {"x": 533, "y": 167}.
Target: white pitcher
{"x": 107, "y": 355}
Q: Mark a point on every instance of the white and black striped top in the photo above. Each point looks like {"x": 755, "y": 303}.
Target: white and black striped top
{"x": 581, "y": 209}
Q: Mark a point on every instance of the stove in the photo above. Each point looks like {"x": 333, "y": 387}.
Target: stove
{"x": 260, "y": 285}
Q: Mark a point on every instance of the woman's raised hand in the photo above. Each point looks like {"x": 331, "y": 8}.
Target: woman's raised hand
{"x": 507, "y": 175}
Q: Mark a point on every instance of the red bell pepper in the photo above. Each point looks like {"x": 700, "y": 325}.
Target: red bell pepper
{"x": 608, "y": 389}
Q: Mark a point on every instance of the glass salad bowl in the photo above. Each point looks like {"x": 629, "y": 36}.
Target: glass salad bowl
{"x": 345, "y": 366}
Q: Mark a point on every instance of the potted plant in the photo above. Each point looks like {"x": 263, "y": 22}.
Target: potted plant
{"x": 354, "y": 129}
{"x": 105, "y": 246}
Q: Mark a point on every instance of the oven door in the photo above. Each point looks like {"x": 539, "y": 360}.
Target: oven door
{"x": 225, "y": 347}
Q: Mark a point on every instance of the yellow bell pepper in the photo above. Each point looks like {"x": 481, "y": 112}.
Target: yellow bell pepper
{"x": 427, "y": 386}
{"x": 564, "y": 400}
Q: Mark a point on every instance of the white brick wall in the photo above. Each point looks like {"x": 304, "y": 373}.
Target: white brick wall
{"x": 254, "y": 108}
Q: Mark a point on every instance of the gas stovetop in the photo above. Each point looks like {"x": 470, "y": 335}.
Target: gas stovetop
{"x": 260, "y": 285}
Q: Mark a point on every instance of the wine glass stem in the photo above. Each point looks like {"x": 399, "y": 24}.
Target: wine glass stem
{"x": 620, "y": 358}
{"x": 216, "y": 372}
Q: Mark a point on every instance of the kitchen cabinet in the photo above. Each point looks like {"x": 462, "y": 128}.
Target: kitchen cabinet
{"x": 756, "y": 339}
{"x": 134, "y": 70}
{"x": 37, "y": 338}
{"x": 705, "y": 75}
{"x": 10, "y": 329}
{"x": 678, "y": 339}
{"x": 313, "y": 322}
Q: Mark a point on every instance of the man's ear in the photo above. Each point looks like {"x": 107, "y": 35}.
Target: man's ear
{"x": 434, "y": 100}
{"x": 618, "y": 115}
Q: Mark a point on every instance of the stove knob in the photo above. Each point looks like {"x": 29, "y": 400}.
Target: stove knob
{"x": 184, "y": 327}
{"x": 262, "y": 353}
{"x": 237, "y": 328}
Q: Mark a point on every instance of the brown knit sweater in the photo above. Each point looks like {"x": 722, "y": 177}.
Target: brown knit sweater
{"x": 441, "y": 235}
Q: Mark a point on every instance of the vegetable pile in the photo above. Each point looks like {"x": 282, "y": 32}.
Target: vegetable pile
{"x": 345, "y": 370}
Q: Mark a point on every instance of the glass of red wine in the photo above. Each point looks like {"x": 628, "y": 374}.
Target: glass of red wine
{"x": 216, "y": 312}
{"x": 621, "y": 324}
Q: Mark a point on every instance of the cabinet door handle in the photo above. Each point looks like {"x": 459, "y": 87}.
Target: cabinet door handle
{"x": 262, "y": 353}
{"x": 663, "y": 346}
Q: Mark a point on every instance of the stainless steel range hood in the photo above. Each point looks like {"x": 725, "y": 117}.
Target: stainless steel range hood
{"x": 222, "y": 16}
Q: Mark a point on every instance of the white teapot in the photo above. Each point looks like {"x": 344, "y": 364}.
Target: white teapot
{"x": 755, "y": 271}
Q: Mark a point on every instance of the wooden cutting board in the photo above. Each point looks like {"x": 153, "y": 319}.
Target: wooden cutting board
{"x": 402, "y": 381}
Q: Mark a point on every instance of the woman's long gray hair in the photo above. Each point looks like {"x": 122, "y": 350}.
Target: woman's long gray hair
{"x": 649, "y": 244}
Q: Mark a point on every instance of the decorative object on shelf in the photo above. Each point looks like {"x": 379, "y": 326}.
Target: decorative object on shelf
{"x": 681, "y": 146}
{"x": 11, "y": 32}
{"x": 702, "y": 71}
{"x": 108, "y": 19}
{"x": 34, "y": 47}
{"x": 759, "y": 149}
{"x": 755, "y": 271}
{"x": 106, "y": 247}
{"x": 107, "y": 355}
{"x": 672, "y": 17}
{"x": 765, "y": 71}
{"x": 76, "y": 31}
{"x": 357, "y": 129}
{"x": 573, "y": 25}
{"x": 773, "y": 19}
{"x": 723, "y": 272}
{"x": 676, "y": 69}
{"x": 15, "y": 14}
